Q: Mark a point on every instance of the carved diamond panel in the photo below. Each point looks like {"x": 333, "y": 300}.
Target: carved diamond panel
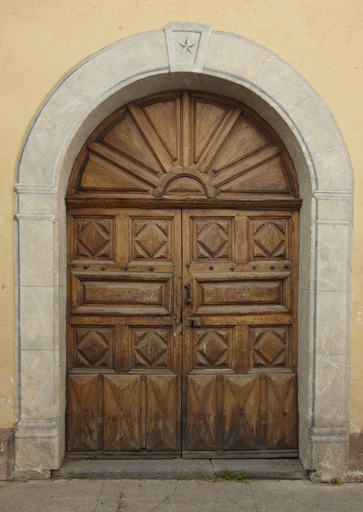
{"x": 151, "y": 239}
{"x": 213, "y": 239}
{"x": 270, "y": 347}
{"x": 93, "y": 347}
{"x": 269, "y": 239}
{"x": 212, "y": 348}
{"x": 94, "y": 239}
{"x": 151, "y": 347}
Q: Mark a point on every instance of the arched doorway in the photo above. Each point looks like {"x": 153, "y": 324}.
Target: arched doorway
{"x": 132, "y": 68}
{"x": 183, "y": 244}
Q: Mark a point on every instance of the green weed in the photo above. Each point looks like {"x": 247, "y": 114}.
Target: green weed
{"x": 227, "y": 477}
{"x": 333, "y": 481}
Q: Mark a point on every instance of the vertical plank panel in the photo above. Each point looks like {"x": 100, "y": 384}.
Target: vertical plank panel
{"x": 82, "y": 413}
{"x": 241, "y": 398}
{"x": 162, "y": 413}
{"x": 202, "y": 411}
{"x": 122, "y": 413}
{"x": 281, "y": 412}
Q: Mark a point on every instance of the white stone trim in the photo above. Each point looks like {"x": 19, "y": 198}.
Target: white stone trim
{"x": 224, "y": 64}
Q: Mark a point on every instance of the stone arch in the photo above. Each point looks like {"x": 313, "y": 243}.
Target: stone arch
{"x": 132, "y": 68}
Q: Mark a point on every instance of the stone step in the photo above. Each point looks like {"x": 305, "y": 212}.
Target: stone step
{"x": 188, "y": 469}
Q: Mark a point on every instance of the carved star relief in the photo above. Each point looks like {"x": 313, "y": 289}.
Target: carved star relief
{"x": 186, "y": 47}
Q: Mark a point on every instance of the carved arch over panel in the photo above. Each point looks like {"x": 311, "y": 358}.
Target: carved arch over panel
{"x": 189, "y": 144}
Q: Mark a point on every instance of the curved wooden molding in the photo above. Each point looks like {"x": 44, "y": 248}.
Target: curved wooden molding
{"x": 185, "y": 182}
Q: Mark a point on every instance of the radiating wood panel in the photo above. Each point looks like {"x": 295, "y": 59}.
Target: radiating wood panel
{"x": 168, "y": 133}
{"x": 219, "y": 148}
{"x": 127, "y": 139}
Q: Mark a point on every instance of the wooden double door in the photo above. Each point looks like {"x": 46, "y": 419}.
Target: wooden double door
{"x": 182, "y": 333}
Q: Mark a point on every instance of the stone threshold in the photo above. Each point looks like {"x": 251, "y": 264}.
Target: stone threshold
{"x": 188, "y": 469}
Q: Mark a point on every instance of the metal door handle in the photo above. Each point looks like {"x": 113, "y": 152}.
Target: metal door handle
{"x": 187, "y": 287}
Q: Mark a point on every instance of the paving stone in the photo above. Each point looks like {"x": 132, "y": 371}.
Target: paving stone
{"x": 304, "y": 496}
{"x": 126, "y": 495}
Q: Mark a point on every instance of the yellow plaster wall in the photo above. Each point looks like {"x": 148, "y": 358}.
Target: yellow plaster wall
{"x": 42, "y": 39}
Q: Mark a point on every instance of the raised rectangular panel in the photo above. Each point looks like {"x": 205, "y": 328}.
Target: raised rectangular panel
{"x": 122, "y": 294}
{"x": 242, "y": 295}
{"x": 127, "y": 294}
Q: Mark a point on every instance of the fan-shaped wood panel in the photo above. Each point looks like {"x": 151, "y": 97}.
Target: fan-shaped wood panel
{"x": 220, "y": 148}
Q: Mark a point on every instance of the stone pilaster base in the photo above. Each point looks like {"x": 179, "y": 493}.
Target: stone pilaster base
{"x": 39, "y": 448}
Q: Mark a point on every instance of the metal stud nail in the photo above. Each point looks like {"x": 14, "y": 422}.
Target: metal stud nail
{"x": 74, "y": 265}
{"x": 286, "y": 266}
{"x": 103, "y": 268}
{"x": 211, "y": 268}
{"x": 151, "y": 269}
{"x": 187, "y": 265}
{"x": 254, "y": 267}
{"x": 126, "y": 267}
{"x": 272, "y": 267}
{"x": 232, "y": 269}
{"x": 86, "y": 266}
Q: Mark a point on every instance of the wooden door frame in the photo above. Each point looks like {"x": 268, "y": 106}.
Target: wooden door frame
{"x": 75, "y": 106}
